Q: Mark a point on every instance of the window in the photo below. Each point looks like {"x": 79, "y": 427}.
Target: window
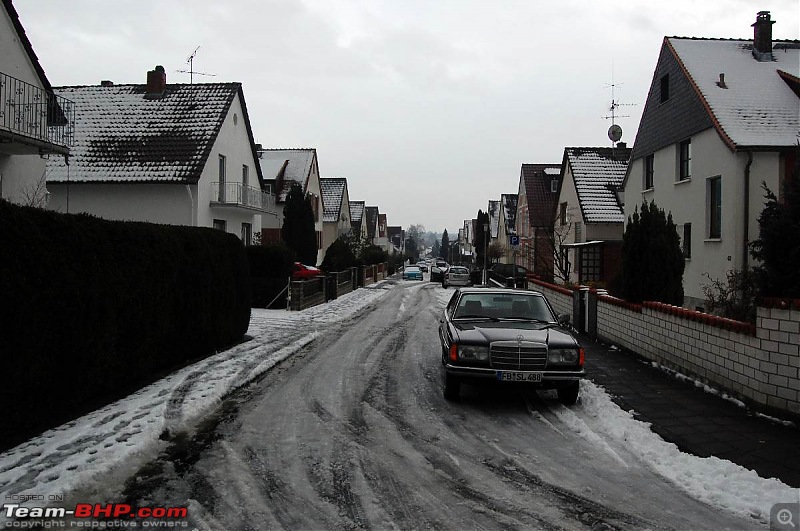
{"x": 247, "y": 233}
{"x": 648, "y": 172}
{"x": 664, "y": 88}
{"x": 245, "y": 176}
{"x": 220, "y": 224}
{"x": 686, "y": 242}
{"x": 578, "y": 232}
{"x": 554, "y": 185}
{"x": 589, "y": 258}
{"x": 715, "y": 207}
{"x": 685, "y": 160}
{"x": 562, "y": 215}
{"x": 221, "y": 179}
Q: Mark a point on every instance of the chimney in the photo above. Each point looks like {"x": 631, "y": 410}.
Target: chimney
{"x": 762, "y": 36}
{"x": 156, "y": 82}
{"x": 106, "y": 83}
{"x": 622, "y": 145}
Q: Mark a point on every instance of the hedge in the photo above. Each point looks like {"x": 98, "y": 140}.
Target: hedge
{"x": 92, "y": 309}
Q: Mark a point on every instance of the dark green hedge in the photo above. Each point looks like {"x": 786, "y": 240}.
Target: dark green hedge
{"x": 270, "y": 269}
{"x": 91, "y": 309}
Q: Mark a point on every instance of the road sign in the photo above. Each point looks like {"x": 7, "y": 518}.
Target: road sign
{"x": 514, "y": 240}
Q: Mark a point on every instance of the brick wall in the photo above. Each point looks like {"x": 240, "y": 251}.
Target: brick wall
{"x": 758, "y": 364}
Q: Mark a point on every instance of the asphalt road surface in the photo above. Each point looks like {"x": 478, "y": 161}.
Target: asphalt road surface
{"x": 353, "y": 433}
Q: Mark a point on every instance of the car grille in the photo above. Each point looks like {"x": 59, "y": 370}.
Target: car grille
{"x": 518, "y": 356}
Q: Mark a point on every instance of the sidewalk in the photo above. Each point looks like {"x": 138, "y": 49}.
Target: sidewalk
{"x": 697, "y": 422}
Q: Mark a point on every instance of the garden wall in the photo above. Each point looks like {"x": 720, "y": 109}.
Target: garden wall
{"x": 759, "y": 364}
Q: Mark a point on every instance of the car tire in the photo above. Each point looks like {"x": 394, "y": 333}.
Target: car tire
{"x": 452, "y": 387}
{"x": 568, "y": 393}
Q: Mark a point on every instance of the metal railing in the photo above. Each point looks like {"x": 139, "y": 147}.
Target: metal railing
{"x": 29, "y": 111}
{"x": 237, "y": 194}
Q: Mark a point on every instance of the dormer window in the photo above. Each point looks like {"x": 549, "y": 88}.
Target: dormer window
{"x": 554, "y": 185}
{"x": 664, "y": 88}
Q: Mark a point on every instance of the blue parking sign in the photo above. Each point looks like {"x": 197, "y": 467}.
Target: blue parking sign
{"x": 514, "y": 240}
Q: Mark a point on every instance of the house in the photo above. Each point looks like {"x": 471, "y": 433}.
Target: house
{"x": 397, "y": 239}
{"x": 537, "y": 195}
{"x": 175, "y": 154}
{"x": 722, "y": 116}
{"x": 336, "y": 209}
{"x": 34, "y": 122}
{"x": 284, "y": 167}
{"x": 381, "y": 236}
{"x": 589, "y": 220}
{"x": 371, "y": 221}
{"x": 494, "y": 222}
{"x": 508, "y": 215}
{"x": 357, "y": 220}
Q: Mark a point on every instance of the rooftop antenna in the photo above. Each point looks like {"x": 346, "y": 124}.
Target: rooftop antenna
{"x": 615, "y": 131}
{"x": 191, "y": 71}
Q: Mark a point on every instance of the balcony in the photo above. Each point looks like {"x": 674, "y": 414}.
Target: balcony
{"x": 241, "y": 196}
{"x": 32, "y": 120}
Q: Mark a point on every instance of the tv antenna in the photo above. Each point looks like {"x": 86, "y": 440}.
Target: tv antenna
{"x": 191, "y": 71}
{"x": 615, "y": 131}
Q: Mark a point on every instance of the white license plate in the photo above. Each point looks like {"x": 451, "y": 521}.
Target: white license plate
{"x": 519, "y": 376}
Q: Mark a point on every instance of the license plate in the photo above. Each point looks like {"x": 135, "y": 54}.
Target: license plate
{"x": 519, "y": 376}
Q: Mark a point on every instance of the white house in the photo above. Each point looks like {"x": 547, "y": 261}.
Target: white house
{"x": 722, "y": 116}
{"x": 589, "y": 221}
{"x": 508, "y": 214}
{"x": 282, "y": 168}
{"x": 336, "y": 209}
{"x": 34, "y": 122}
{"x": 174, "y": 154}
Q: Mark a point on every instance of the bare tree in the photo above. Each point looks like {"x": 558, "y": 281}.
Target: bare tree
{"x": 35, "y": 195}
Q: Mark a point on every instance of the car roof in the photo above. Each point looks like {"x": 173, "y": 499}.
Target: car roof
{"x": 500, "y": 291}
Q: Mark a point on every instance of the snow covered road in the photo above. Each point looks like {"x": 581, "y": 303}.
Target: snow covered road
{"x": 334, "y": 418}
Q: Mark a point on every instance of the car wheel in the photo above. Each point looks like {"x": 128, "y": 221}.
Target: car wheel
{"x": 452, "y": 386}
{"x": 568, "y": 393}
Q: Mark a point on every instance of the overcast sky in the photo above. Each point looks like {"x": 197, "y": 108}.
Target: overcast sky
{"x": 427, "y": 107}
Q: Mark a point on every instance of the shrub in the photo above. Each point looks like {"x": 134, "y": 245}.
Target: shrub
{"x": 338, "y": 257}
{"x": 270, "y": 269}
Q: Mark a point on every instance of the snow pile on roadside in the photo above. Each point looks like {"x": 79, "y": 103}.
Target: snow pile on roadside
{"x": 119, "y": 435}
{"x": 710, "y": 479}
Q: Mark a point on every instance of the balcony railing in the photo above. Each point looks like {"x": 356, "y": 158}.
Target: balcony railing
{"x": 35, "y": 114}
{"x": 237, "y": 194}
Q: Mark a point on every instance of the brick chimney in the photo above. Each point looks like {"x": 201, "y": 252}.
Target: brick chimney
{"x": 762, "y": 36}
{"x": 156, "y": 82}
{"x": 106, "y": 83}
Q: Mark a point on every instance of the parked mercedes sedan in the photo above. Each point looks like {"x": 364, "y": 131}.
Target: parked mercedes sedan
{"x": 508, "y": 336}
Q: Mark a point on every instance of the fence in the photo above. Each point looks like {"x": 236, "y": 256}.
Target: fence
{"x": 306, "y": 293}
{"x": 759, "y": 364}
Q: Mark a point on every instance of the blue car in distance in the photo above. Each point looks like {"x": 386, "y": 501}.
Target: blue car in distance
{"x": 412, "y": 273}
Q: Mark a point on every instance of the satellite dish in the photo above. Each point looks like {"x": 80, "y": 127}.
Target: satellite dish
{"x": 615, "y": 133}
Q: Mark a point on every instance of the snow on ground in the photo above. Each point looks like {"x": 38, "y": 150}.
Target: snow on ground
{"x": 715, "y": 481}
{"x": 70, "y": 456}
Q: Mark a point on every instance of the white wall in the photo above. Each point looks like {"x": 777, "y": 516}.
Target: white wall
{"x": 20, "y": 176}
{"x": 14, "y": 61}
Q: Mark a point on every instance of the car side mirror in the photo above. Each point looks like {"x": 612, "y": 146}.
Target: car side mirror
{"x": 564, "y": 318}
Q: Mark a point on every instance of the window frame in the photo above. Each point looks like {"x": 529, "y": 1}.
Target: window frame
{"x": 685, "y": 160}
{"x": 649, "y": 171}
{"x": 686, "y": 241}
{"x": 247, "y": 234}
{"x": 222, "y": 177}
{"x": 714, "y": 207}
{"x": 220, "y": 224}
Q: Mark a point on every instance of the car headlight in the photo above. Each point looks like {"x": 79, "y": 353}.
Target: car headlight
{"x": 564, "y": 356}
{"x": 473, "y": 352}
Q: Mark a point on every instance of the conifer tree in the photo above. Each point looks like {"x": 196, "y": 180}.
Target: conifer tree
{"x": 652, "y": 259}
{"x": 444, "y": 249}
{"x": 298, "y": 226}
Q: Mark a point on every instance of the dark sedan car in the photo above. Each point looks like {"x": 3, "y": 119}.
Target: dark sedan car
{"x": 507, "y": 335}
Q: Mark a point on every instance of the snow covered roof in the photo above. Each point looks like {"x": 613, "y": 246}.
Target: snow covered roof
{"x": 537, "y": 179}
{"x": 597, "y": 172}
{"x": 122, "y": 135}
{"x": 332, "y": 196}
{"x": 287, "y": 166}
{"x": 356, "y": 211}
{"x": 494, "y": 218}
{"x": 509, "y": 202}
{"x": 756, "y": 105}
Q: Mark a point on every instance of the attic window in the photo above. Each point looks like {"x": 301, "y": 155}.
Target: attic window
{"x": 554, "y": 186}
{"x": 664, "y": 88}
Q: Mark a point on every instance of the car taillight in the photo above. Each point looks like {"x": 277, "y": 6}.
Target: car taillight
{"x": 453, "y": 352}
{"x": 581, "y": 357}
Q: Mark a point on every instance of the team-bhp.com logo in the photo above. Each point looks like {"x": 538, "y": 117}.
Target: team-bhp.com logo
{"x": 114, "y": 511}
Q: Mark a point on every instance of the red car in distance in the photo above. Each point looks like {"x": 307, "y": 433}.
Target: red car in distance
{"x": 305, "y": 272}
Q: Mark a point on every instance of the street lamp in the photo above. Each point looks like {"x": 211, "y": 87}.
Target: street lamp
{"x": 485, "y": 252}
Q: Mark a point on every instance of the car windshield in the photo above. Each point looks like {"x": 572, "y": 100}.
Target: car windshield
{"x": 531, "y": 307}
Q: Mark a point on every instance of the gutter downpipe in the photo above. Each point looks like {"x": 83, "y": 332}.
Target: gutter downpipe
{"x": 193, "y": 221}
{"x": 745, "y": 252}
